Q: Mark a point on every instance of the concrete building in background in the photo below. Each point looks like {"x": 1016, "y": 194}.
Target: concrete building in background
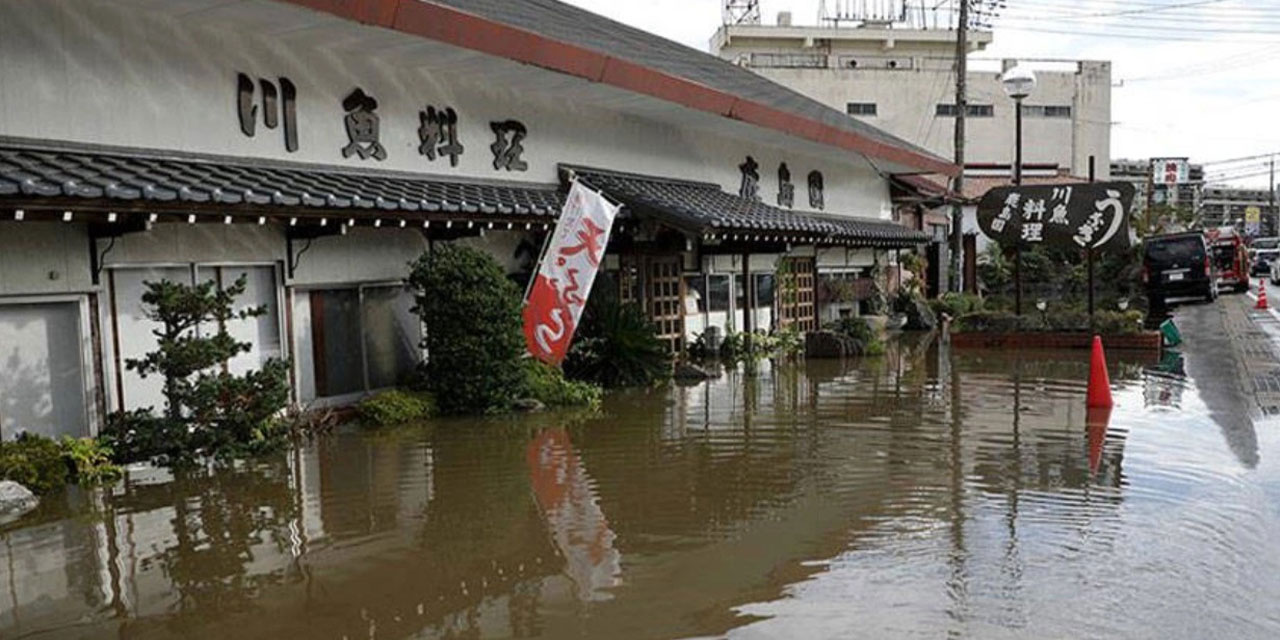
{"x": 1138, "y": 172}
{"x": 1226, "y": 206}
{"x": 902, "y": 80}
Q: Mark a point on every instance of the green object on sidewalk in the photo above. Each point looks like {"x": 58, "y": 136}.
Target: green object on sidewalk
{"x": 1172, "y": 337}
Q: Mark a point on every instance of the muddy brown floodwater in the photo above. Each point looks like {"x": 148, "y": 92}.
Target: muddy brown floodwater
{"x": 926, "y": 494}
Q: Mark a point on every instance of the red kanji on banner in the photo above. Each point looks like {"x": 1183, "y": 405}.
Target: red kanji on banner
{"x": 566, "y": 274}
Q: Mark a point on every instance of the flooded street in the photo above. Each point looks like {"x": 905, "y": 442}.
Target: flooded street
{"x": 925, "y": 494}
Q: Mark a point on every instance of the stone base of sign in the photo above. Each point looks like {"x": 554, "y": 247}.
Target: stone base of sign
{"x": 1147, "y": 341}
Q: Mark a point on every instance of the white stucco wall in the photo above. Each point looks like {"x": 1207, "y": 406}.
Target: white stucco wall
{"x": 198, "y": 243}
{"x": 112, "y": 73}
{"x": 43, "y": 258}
{"x": 362, "y": 255}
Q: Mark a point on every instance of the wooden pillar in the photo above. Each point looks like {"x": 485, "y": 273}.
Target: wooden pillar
{"x": 748, "y": 309}
{"x": 817, "y": 309}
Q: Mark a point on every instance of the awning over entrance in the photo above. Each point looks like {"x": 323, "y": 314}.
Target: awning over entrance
{"x": 703, "y": 208}
{"x": 82, "y": 178}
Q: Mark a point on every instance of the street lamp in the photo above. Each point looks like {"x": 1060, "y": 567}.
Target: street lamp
{"x": 1018, "y": 83}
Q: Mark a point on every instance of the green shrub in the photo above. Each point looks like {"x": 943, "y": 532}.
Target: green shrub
{"x": 548, "y": 385}
{"x": 396, "y": 407}
{"x": 44, "y": 465}
{"x": 140, "y": 436}
{"x": 993, "y": 322}
{"x": 957, "y": 304}
{"x": 757, "y": 345}
{"x": 90, "y": 460}
{"x": 474, "y": 340}
{"x": 1118, "y": 322}
{"x": 854, "y": 327}
{"x": 616, "y": 345}
{"x": 207, "y": 410}
{"x": 36, "y": 463}
{"x": 865, "y": 339}
{"x": 1104, "y": 322}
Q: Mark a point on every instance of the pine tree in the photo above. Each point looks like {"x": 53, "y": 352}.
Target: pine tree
{"x": 207, "y": 410}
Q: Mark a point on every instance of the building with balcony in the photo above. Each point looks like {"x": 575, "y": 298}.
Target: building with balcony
{"x": 902, "y": 80}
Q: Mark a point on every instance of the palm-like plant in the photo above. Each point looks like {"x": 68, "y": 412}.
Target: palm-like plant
{"x": 616, "y": 345}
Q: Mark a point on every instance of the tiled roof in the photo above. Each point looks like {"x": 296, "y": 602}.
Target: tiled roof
{"x": 71, "y": 175}
{"x": 704, "y": 208}
{"x": 566, "y": 23}
{"x": 977, "y": 186}
{"x": 874, "y": 231}
{"x": 84, "y": 174}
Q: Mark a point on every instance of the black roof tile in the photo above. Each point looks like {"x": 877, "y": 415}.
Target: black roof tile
{"x": 29, "y": 169}
{"x": 702, "y": 207}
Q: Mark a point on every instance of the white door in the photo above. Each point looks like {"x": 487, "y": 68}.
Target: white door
{"x": 135, "y": 333}
{"x": 261, "y": 333}
{"x": 42, "y": 381}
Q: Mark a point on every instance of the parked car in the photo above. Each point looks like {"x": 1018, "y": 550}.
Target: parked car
{"x": 1230, "y": 258}
{"x": 1178, "y": 265}
{"x": 1262, "y": 261}
{"x": 1259, "y": 244}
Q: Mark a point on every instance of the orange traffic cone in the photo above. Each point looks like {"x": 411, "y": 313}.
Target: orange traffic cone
{"x": 1262, "y": 294}
{"x": 1099, "y": 380}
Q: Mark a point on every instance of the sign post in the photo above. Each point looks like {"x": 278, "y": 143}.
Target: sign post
{"x": 1088, "y": 252}
{"x": 1093, "y": 216}
{"x": 567, "y": 270}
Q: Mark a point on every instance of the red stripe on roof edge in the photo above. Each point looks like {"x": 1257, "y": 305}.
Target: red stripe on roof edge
{"x": 461, "y": 29}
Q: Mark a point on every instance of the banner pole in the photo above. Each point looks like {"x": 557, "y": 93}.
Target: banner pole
{"x": 546, "y": 242}
{"x": 1089, "y": 249}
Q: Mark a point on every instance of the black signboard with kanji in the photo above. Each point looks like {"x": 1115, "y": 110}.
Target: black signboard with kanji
{"x": 1086, "y": 215}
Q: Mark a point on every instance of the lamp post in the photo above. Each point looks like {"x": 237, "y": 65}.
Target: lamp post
{"x": 1018, "y": 83}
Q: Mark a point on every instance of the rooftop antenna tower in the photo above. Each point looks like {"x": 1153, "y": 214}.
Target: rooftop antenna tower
{"x": 908, "y": 14}
{"x": 741, "y": 12}
{"x": 883, "y": 12}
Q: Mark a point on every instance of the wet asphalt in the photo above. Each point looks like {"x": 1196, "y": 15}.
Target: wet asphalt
{"x": 1217, "y": 358}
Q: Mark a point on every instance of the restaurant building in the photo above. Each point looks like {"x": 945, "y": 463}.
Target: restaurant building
{"x": 316, "y": 147}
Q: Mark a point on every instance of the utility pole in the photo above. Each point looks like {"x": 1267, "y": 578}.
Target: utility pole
{"x": 962, "y": 110}
{"x": 1271, "y": 209}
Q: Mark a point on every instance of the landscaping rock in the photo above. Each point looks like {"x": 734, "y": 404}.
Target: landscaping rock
{"x": 528, "y": 405}
{"x": 686, "y": 372}
{"x": 15, "y": 501}
{"x": 829, "y": 344}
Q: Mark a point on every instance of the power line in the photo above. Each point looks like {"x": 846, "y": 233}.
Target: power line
{"x": 1153, "y": 9}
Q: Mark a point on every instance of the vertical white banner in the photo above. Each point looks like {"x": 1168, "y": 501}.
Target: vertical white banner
{"x": 566, "y": 273}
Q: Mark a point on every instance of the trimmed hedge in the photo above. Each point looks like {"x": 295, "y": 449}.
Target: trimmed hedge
{"x": 1104, "y": 322}
{"x": 474, "y": 340}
